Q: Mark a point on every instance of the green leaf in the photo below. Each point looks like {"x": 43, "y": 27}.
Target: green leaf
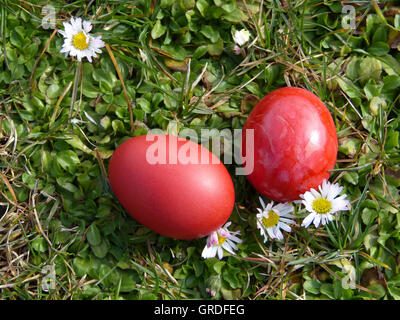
{"x": 394, "y": 292}
{"x": 39, "y": 244}
{"x": 337, "y": 288}
{"x": 349, "y": 88}
{"x": 390, "y": 83}
{"x": 31, "y": 50}
{"x": 202, "y": 6}
{"x": 210, "y": 33}
{"x": 375, "y": 104}
{"x": 199, "y": 52}
{"x": 312, "y": 286}
{"x": 218, "y": 266}
{"x": 53, "y": 91}
{"x": 128, "y": 282}
{"x": 353, "y": 68}
{"x": 349, "y": 146}
{"x": 379, "y": 48}
{"x": 17, "y": 40}
{"x": 64, "y": 183}
{"x": 379, "y": 292}
{"x": 215, "y": 49}
{"x": 68, "y": 160}
{"x": 158, "y": 30}
{"x": 380, "y": 35}
{"x": 391, "y": 65}
{"x": 177, "y": 52}
{"x": 108, "y": 276}
{"x": 144, "y": 105}
{"x": 187, "y": 4}
{"x": 81, "y": 266}
{"x": 397, "y": 21}
{"x": 235, "y": 16}
{"x": 89, "y": 90}
{"x": 77, "y": 143}
{"x": 101, "y": 250}
{"x": 231, "y": 294}
{"x": 93, "y": 235}
{"x": 370, "y": 68}
{"x": 351, "y": 177}
{"x": 327, "y": 289}
{"x": 230, "y": 275}
{"x": 191, "y": 281}
{"x": 392, "y": 140}
{"x": 368, "y": 215}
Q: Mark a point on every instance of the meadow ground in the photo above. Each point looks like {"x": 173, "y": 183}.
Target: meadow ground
{"x": 173, "y": 65}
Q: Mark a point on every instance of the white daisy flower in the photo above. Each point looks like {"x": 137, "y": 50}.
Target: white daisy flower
{"x": 323, "y": 204}
{"x": 271, "y": 219}
{"x": 241, "y": 37}
{"x": 221, "y": 239}
{"x": 78, "y": 42}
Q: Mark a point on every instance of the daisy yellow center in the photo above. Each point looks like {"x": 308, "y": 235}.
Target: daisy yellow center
{"x": 221, "y": 239}
{"x": 272, "y": 220}
{"x": 321, "y": 205}
{"x": 80, "y": 41}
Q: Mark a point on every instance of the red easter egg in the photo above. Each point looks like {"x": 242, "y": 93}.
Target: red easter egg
{"x": 295, "y": 143}
{"x": 171, "y": 185}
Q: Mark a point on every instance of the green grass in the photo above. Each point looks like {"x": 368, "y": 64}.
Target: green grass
{"x": 56, "y": 207}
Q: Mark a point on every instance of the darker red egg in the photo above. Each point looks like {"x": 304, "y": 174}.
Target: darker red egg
{"x": 171, "y": 185}
{"x": 295, "y": 143}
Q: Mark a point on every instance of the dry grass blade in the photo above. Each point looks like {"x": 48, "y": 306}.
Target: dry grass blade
{"x": 10, "y": 188}
{"x": 128, "y": 101}
{"x": 38, "y": 59}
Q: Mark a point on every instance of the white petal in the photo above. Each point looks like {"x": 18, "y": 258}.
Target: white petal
{"x": 236, "y": 239}
{"x": 68, "y": 29}
{"x": 287, "y": 221}
{"x": 220, "y": 253}
{"x": 271, "y": 233}
{"x": 97, "y": 42}
{"x": 227, "y": 224}
{"x": 325, "y": 219}
{"x": 340, "y": 204}
{"x": 287, "y": 215}
{"x": 317, "y": 220}
{"x": 308, "y": 197}
{"x": 279, "y": 234}
{"x": 307, "y": 220}
{"x": 284, "y": 208}
{"x": 87, "y": 26}
{"x": 212, "y": 239}
{"x": 323, "y": 188}
{"x": 284, "y": 226}
{"x": 333, "y": 191}
{"x": 232, "y": 244}
{"x": 64, "y": 49}
{"x": 262, "y": 202}
{"x": 315, "y": 193}
{"x": 209, "y": 252}
{"x": 78, "y": 23}
{"x": 228, "y": 247}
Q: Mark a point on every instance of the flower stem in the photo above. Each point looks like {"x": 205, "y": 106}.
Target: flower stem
{"x": 75, "y": 89}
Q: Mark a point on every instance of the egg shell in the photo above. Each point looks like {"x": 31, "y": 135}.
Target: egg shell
{"x": 295, "y": 143}
{"x": 171, "y": 185}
